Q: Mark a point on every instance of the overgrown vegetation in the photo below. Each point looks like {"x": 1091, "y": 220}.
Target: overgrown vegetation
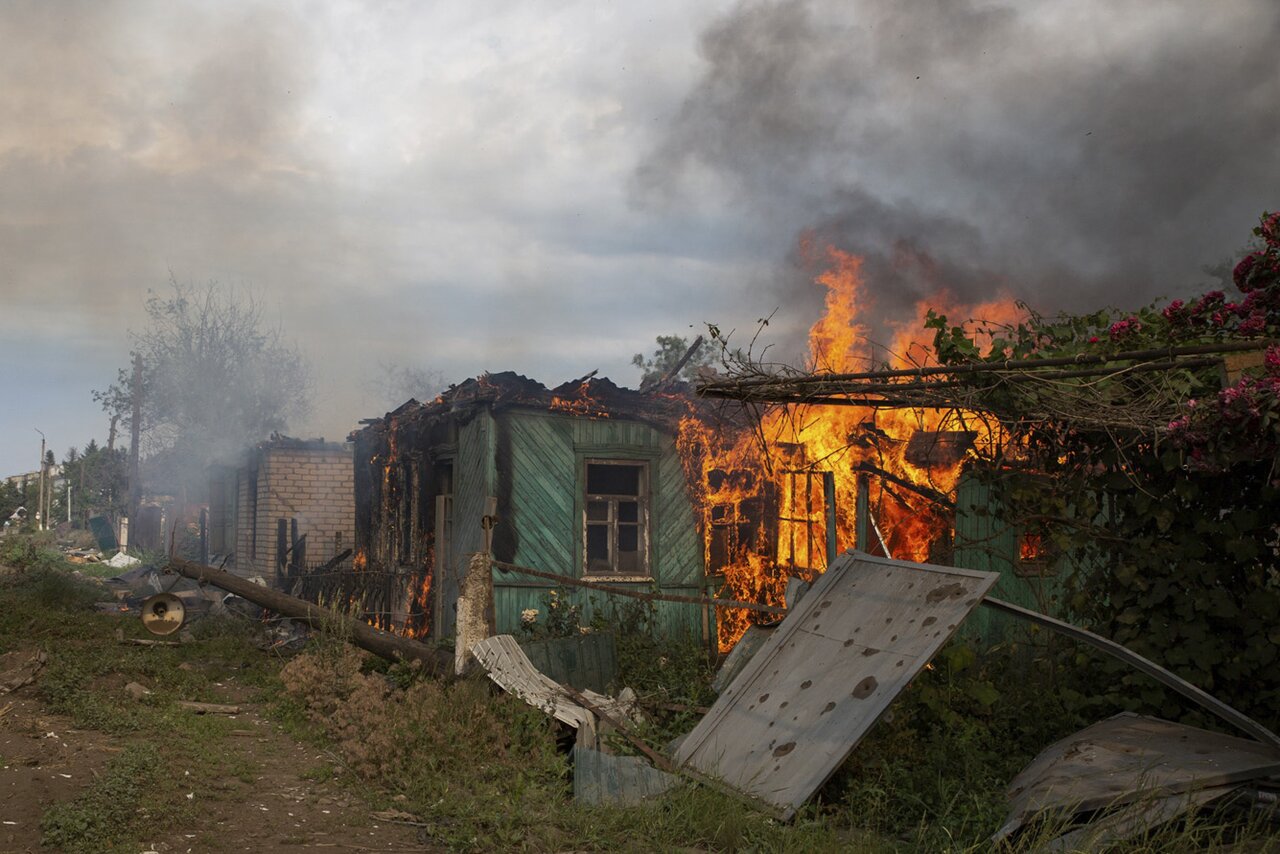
{"x": 1166, "y": 526}
{"x": 484, "y": 771}
{"x": 32, "y": 551}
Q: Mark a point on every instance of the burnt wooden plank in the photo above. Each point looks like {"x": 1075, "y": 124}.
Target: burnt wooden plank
{"x": 828, "y": 672}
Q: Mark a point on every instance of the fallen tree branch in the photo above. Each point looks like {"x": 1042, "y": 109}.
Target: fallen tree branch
{"x": 208, "y": 708}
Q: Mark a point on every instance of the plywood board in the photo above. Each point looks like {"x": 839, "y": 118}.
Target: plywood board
{"x": 1128, "y": 758}
{"x": 827, "y": 673}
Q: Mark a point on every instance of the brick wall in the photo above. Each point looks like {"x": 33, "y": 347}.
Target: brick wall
{"x": 315, "y": 486}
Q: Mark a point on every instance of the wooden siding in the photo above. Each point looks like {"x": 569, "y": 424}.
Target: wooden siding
{"x": 542, "y": 486}
{"x": 539, "y": 463}
{"x": 984, "y": 542}
{"x": 676, "y": 529}
{"x": 473, "y": 473}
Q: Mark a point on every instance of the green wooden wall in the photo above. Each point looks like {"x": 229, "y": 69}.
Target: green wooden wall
{"x": 984, "y": 542}
{"x": 537, "y": 475}
{"x": 473, "y": 477}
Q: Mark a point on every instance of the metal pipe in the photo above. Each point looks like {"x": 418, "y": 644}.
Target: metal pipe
{"x": 1165, "y": 677}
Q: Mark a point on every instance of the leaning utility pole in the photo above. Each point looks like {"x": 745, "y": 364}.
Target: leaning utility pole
{"x": 40, "y": 521}
{"x": 135, "y": 482}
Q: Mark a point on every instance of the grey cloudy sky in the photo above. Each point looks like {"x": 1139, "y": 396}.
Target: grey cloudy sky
{"x": 545, "y": 187}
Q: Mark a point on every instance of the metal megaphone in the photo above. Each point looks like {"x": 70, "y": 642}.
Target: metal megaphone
{"x": 163, "y": 614}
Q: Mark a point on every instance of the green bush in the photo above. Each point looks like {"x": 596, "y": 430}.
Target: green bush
{"x": 31, "y": 551}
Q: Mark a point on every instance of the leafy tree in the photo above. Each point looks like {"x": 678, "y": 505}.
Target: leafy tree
{"x": 215, "y": 378}
{"x": 11, "y": 498}
{"x": 98, "y": 479}
{"x": 671, "y": 349}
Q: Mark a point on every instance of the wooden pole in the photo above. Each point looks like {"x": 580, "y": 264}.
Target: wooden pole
{"x": 41, "y": 521}
{"x": 829, "y": 506}
{"x": 135, "y": 434}
{"x": 385, "y": 644}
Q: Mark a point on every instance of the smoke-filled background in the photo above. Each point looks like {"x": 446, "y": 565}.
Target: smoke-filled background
{"x": 545, "y": 187}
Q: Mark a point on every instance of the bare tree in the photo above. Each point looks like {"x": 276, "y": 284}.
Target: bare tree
{"x": 215, "y": 377}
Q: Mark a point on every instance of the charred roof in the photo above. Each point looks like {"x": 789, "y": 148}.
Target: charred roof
{"x": 586, "y": 397}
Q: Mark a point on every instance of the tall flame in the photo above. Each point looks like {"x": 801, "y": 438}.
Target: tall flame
{"x": 760, "y": 494}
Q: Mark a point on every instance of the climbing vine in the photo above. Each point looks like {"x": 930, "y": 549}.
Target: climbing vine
{"x": 1171, "y": 529}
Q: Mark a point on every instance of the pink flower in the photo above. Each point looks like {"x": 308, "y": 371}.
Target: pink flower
{"x": 1241, "y": 274}
{"x": 1270, "y": 229}
{"x": 1093, "y": 339}
{"x": 1175, "y": 312}
{"x": 1124, "y": 328}
{"x": 1254, "y": 324}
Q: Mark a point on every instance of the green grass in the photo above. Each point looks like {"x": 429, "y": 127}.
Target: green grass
{"x": 140, "y": 794}
{"x": 484, "y": 771}
{"x": 117, "y": 809}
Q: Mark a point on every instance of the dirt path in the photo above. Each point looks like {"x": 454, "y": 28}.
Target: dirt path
{"x": 283, "y": 799}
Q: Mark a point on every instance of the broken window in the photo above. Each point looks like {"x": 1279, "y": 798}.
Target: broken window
{"x": 616, "y": 518}
{"x": 1035, "y": 554}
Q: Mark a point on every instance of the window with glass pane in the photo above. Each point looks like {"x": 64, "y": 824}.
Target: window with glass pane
{"x": 615, "y": 518}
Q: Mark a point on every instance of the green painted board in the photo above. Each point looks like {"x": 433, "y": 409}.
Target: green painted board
{"x": 585, "y": 662}
{"x": 984, "y": 542}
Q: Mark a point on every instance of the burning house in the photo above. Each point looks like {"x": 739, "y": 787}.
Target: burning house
{"x": 286, "y": 507}
{"x": 667, "y": 490}
{"x": 584, "y": 480}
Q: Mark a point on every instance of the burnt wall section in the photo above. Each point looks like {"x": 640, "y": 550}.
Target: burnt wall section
{"x": 426, "y": 474}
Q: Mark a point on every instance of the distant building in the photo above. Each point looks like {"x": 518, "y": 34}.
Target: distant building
{"x": 53, "y": 472}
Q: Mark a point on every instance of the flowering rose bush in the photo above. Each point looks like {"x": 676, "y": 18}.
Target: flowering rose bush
{"x": 1168, "y": 534}
{"x": 1242, "y": 424}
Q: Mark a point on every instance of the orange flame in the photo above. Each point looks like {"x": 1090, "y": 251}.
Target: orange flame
{"x": 581, "y": 403}
{"x": 759, "y": 493}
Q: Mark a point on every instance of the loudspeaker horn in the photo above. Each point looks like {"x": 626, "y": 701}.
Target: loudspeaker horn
{"x": 163, "y": 613}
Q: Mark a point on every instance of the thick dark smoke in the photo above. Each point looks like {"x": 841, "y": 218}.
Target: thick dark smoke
{"x": 1072, "y": 154}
